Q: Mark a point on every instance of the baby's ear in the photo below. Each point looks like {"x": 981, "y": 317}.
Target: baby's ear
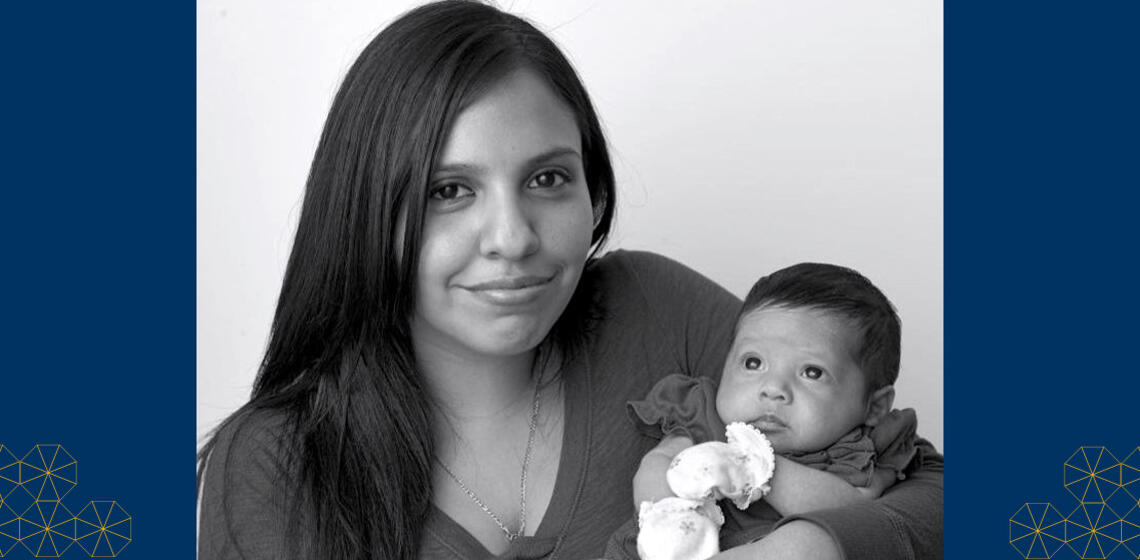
{"x": 880, "y": 404}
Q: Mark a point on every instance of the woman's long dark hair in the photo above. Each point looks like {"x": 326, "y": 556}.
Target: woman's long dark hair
{"x": 339, "y": 365}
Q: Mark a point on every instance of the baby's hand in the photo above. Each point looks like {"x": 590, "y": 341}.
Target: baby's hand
{"x": 678, "y": 529}
{"x": 738, "y": 470}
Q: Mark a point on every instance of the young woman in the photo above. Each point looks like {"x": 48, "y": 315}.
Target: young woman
{"x": 449, "y": 362}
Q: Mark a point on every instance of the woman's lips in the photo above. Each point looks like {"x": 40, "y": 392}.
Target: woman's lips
{"x": 511, "y": 290}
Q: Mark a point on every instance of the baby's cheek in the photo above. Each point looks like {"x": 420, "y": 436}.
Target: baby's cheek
{"x": 731, "y": 406}
{"x": 721, "y": 396}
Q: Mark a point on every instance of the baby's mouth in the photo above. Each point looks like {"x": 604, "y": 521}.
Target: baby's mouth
{"x": 769, "y": 422}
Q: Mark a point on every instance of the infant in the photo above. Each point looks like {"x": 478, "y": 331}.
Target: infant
{"x": 804, "y": 402}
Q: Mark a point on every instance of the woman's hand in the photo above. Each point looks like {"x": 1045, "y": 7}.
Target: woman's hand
{"x": 880, "y": 481}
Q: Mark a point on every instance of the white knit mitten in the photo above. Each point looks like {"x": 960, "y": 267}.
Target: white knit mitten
{"x": 738, "y": 470}
{"x": 678, "y": 529}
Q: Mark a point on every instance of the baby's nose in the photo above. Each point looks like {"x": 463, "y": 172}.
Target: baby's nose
{"x": 774, "y": 389}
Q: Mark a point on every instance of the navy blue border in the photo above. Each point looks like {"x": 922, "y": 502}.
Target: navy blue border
{"x": 97, "y": 213}
{"x": 1042, "y": 159}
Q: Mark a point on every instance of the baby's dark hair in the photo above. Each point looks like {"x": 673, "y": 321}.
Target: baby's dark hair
{"x": 848, "y": 294}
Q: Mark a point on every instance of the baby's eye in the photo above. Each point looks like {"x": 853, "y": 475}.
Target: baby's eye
{"x": 753, "y": 363}
{"x": 548, "y": 180}
{"x": 449, "y": 191}
{"x": 812, "y": 372}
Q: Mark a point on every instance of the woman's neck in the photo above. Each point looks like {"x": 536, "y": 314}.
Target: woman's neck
{"x": 473, "y": 388}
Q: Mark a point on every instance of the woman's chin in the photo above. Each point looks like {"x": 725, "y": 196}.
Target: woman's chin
{"x": 510, "y": 339}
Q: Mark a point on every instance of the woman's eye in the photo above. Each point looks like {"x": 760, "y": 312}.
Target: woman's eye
{"x": 812, "y": 372}
{"x": 752, "y": 363}
{"x": 449, "y": 191}
{"x": 548, "y": 180}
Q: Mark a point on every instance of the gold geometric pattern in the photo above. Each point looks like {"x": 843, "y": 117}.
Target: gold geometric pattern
{"x": 102, "y": 529}
{"x": 32, "y": 513}
{"x": 48, "y": 472}
{"x": 1037, "y": 531}
{"x": 1106, "y": 521}
{"x": 1092, "y": 474}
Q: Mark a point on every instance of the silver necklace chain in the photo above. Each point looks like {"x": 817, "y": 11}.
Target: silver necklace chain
{"x": 511, "y": 535}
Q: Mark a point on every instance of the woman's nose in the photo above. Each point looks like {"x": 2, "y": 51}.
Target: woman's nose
{"x": 509, "y": 229}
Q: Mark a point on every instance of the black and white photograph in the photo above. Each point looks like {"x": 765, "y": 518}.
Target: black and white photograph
{"x": 575, "y": 279}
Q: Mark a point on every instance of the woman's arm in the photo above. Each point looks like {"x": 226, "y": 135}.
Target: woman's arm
{"x": 795, "y": 540}
{"x": 798, "y": 489}
{"x": 906, "y": 522}
{"x": 649, "y": 484}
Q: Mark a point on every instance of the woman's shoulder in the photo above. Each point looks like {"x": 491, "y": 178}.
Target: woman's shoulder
{"x": 661, "y": 313}
{"x": 252, "y": 427}
{"x": 251, "y": 444}
{"x": 652, "y": 274}
{"x": 243, "y": 489}
{"x": 634, "y": 261}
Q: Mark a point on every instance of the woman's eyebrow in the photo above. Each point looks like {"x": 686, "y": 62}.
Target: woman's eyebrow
{"x": 534, "y": 161}
{"x": 553, "y": 153}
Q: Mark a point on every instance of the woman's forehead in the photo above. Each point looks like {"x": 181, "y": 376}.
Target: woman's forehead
{"x": 518, "y": 118}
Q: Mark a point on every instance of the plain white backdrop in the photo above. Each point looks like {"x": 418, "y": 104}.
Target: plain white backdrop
{"x": 747, "y": 135}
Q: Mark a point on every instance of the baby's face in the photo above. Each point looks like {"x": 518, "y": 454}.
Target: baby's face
{"x": 792, "y": 374}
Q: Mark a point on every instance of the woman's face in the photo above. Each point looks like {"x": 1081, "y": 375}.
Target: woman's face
{"x": 508, "y": 224}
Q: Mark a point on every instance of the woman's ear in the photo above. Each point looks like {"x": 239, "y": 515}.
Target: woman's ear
{"x": 880, "y": 404}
